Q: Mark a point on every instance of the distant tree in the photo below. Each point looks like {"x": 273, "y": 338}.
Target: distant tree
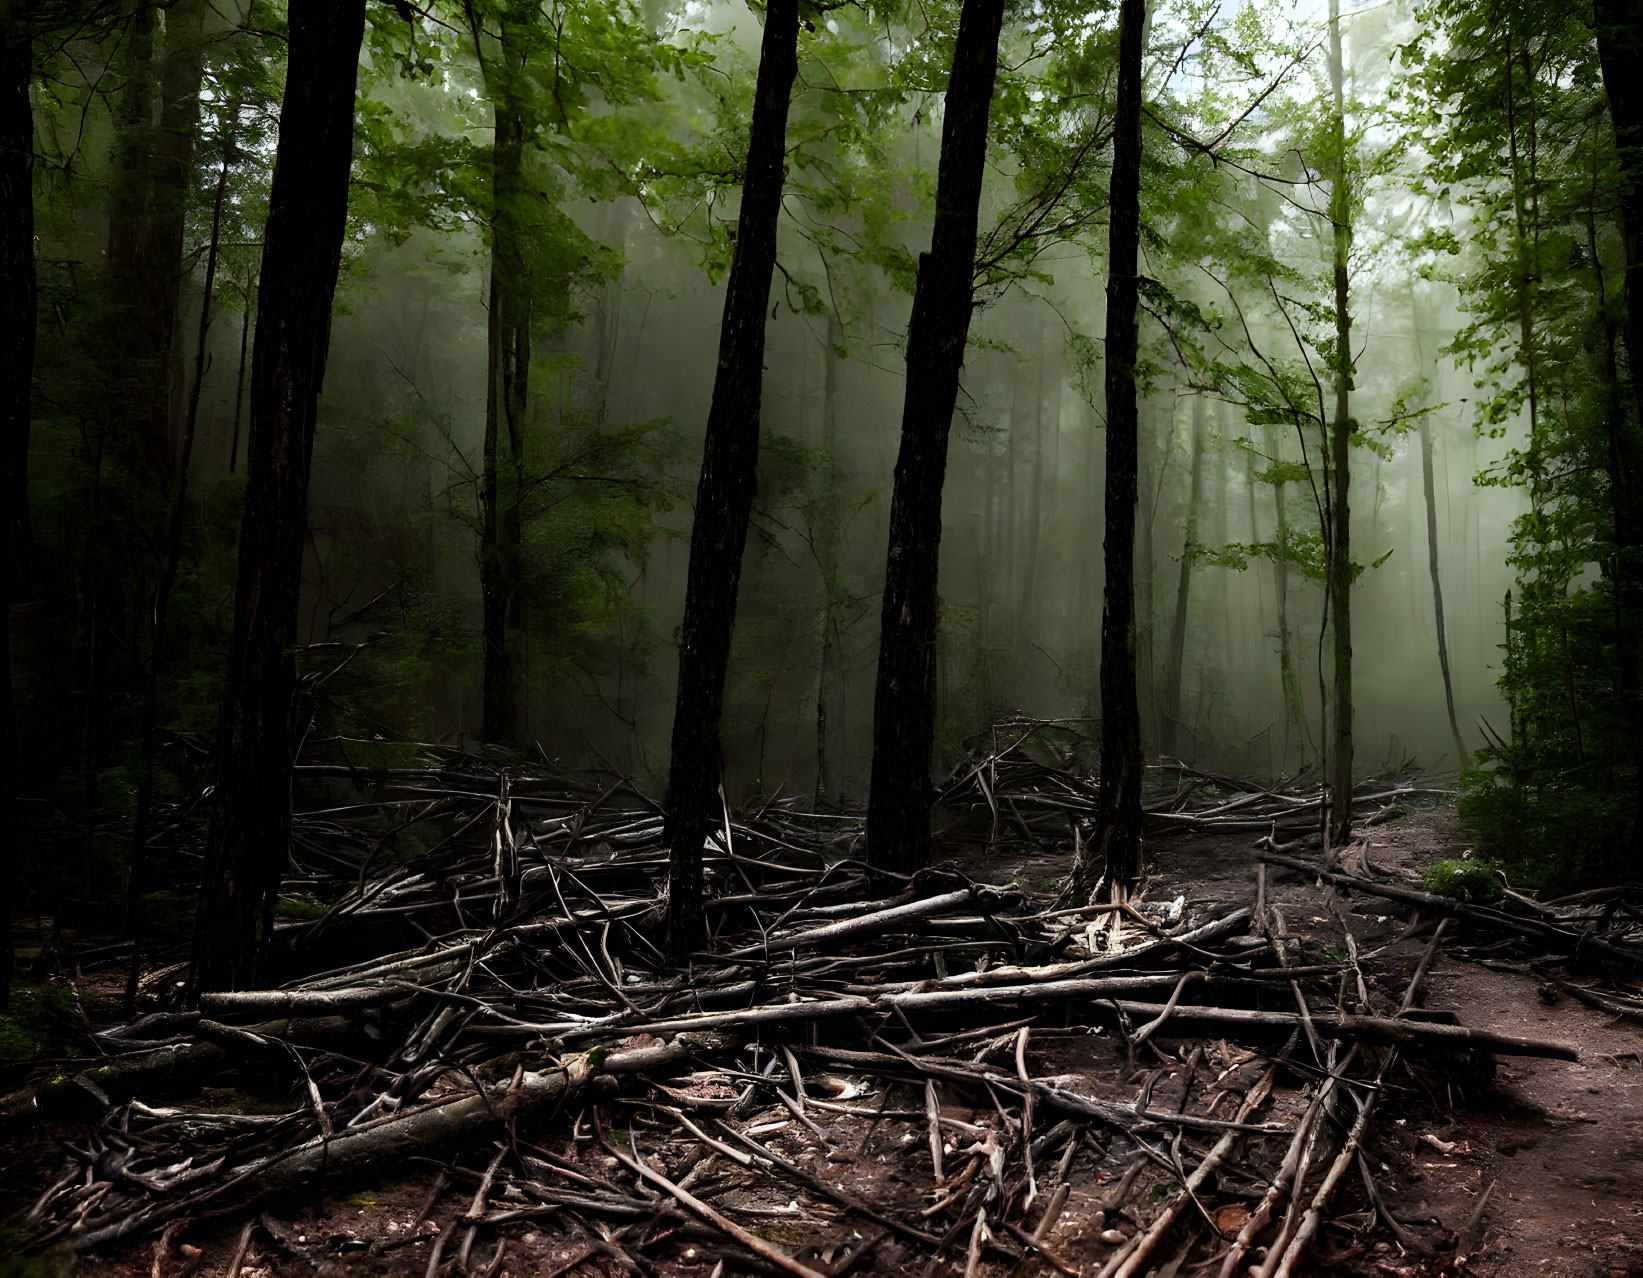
{"x": 724, "y": 494}
{"x": 249, "y": 841}
{"x": 18, "y": 313}
{"x": 1175, "y": 660}
{"x": 898, "y": 814}
{"x": 1115, "y": 852}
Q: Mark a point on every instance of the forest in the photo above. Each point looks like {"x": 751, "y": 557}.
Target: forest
{"x": 806, "y": 637}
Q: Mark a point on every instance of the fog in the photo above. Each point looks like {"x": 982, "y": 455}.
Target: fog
{"x": 392, "y": 546}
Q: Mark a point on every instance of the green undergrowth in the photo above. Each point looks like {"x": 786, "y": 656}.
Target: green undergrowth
{"x": 1470, "y": 880}
{"x": 40, "y": 1021}
{"x": 1567, "y": 834}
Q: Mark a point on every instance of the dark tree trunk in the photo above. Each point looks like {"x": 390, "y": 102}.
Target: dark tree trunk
{"x": 18, "y": 315}
{"x": 1340, "y": 458}
{"x": 1170, "y": 727}
{"x": 239, "y": 378}
{"x": 831, "y": 675}
{"x": 1116, "y": 849}
{"x": 898, "y": 812}
{"x": 1619, "y": 25}
{"x": 155, "y": 159}
{"x": 724, "y": 494}
{"x": 149, "y": 714}
{"x": 249, "y": 842}
{"x": 507, "y": 391}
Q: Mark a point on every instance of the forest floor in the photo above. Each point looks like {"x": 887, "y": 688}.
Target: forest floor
{"x": 1564, "y": 1139}
{"x": 1560, "y": 1142}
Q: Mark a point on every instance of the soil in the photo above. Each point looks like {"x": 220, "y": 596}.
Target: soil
{"x": 1561, "y": 1143}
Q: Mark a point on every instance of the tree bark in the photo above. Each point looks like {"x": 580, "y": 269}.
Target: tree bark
{"x": 507, "y": 392}
{"x": 249, "y": 840}
{"x": 162, "y": 600}
{"x": 724, "y": 493}
{"x": 18, "y": 317}
{"x": 1429, "y": 488}
{"x": 1116, "y": 849}
{"x": 1437, "y": 590}
{"x": 1619, "y": 28}
{"x": 898, "y": 811}
{"x": 1170, "y": 726}
{"x": 1340, "y": 457}
{"x": 832, "y": 675}
{"x": 155, "y": 161}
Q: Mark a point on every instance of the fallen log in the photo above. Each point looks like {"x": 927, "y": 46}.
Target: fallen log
{"x": 440, "y": 1127}
{"x": 859, "y": 928}
{"x": 1373, "y": 1029}
{"x": 269, "y": 1003}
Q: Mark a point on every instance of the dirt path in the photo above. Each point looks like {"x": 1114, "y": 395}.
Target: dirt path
{"x": 1564, "y": 1139}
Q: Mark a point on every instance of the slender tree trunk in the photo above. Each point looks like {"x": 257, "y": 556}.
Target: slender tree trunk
{"x": 830, "y": 678}
{"x": 1169, "y": 730}
{"x": 1116, "y": 849}
{"x": 724, "y": 493}
{"x": 1428, "y": 487}
{"x": 249, "y": 842}
{"x": 1035, "y": 502}
{"x": 18, "y": 319}
{"x": 507, "y": 391}
{"x": 239, "y": 379}
{"x": 1619, "y": 26}
{"x": 1148, "y": 469}
{"x": 162, "y": 601}
{"x": 1289, "y": 672}
{"x": 1340, "y": 457}
{"x": 898, "y": 811}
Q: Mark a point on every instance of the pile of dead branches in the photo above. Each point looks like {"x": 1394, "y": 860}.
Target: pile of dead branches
{"x": 1019, "y": 785}
{"x": 859, "y": 1066}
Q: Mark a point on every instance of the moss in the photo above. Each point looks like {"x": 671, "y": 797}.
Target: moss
{"x": 1465, "y": 880}
{"x": 297, "y": 907}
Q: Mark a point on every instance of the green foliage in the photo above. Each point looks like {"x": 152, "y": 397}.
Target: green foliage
{"x": 1466, "y": 880}
{"x": 1563, "y": 833}
{"x": 41, "y": 1020}
{"x": 1526, "y": 164}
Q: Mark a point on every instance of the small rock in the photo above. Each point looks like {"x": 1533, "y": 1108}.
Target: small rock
{"x": 1112, "y": 1237}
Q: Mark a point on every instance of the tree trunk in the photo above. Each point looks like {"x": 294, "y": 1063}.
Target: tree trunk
{"x": 249, "y": 842}
{"x": 898, "y": 810}
{"x": 724, "y": 493}
{"x": 18, "y": 317}
{"x": 830, "y": 677}
{"x": 149, "y": 713}
{"x": 1340, "y": 456}
{"x": 154, "y": 179}
{"x": 1116, "y": 849}
{"x": 1027, "y": 615}
{"x": 507, "y": 393}
{"x": 239, "y": 378}
{"x": 1168, "y": 742}
{"x": 1428, "y": 487}
{"x": 1619, "y": 26}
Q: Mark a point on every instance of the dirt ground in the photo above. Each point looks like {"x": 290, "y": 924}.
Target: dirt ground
{"x": 1563, "y": 1139}
{"x": 1561, "y": 1142}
